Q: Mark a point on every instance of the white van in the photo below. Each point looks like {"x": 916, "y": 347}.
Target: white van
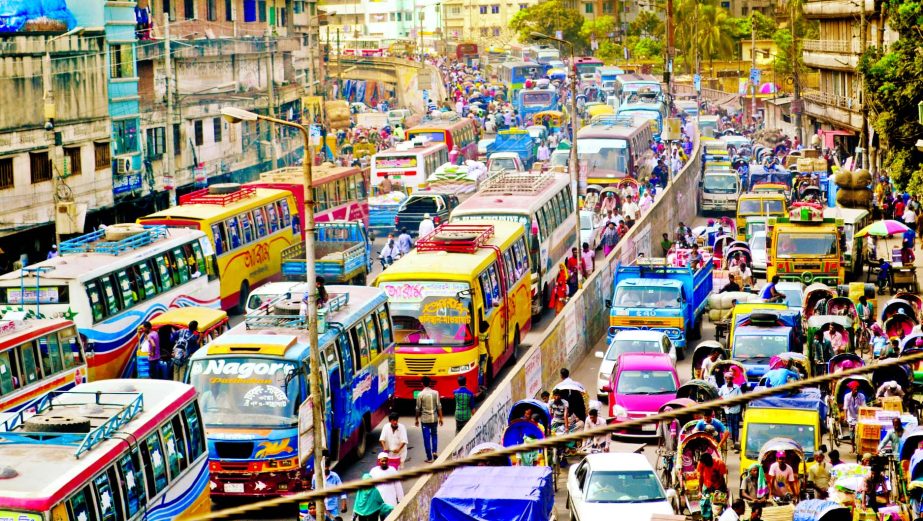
{"x": 267, "y": 292}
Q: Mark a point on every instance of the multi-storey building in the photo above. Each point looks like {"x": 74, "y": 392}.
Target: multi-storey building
{"x": 485, "y": 22}
{"x": 371, "y": 24}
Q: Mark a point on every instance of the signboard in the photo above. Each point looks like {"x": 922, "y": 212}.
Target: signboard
{"x": 755, "y": 76}
{"x": 533, "y": 372}
{"x": 200, "y": 176}
{"x": 316, "y": 135}
{"x": 28, "y": 296}
{"x": 125, "y": 184}
{"x": 798, "y": 106}
{"x": 559, "y": 35}
{"x": 697, "y": 82}
{"x": 396, "y": 162}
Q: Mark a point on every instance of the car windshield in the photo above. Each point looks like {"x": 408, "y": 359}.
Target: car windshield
{"x": 655, "y": 297}
{"x": 619, "y": 347}
{"x": 758, "y": 243}
{"x": 755, "y": 348}
{"x": 431, "y": 313}
{"x": 638, "y": 486}
{"x": 792, "y": 296}
{"x": 805, "y": 244}
{"x": 247, "y": 391}
{"x": 759, "y": 433}
{"x": 720, "y": 184}
{"x": 502, "y": 163}
{"x": 751, "y": 206}
{"x": 603, "y": 154}
{"x": 646, "y": 382}
{"x": 559, "y": 159}
{"x": 586, "y": 221}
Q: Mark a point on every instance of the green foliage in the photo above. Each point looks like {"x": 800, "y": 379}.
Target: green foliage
{"x": 598, "y": 28}
{"x": 765, "y": 26}
{"x": 647, "y": 23}
{"x": 547, "y": 18}
{"x": 704, "y": 30}
{"x": 645, "y": 47}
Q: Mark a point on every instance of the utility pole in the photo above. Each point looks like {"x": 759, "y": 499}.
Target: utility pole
{"x": 169, "y": 160}
{"x": 270, "y": 80}
{"x": 752, "y": 64}
{"x": 669, "y": 28}
{"x": 796, "y": 83}
{"x": 864, "y": 130}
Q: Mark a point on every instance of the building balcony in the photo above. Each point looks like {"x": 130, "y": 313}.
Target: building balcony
{"x": 831, "y": 60}
{"x": 837, "y": 46}
{"x": 840, "y": 111}
{"x": 837, "y": 8}
{"x": 191, "y": 49}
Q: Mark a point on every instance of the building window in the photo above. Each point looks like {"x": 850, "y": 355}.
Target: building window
{"x": 73, "y": 157}
{"x": 126, "y": 136}
{"x": 496, "y": 31}
{"x": 189, "y": 9}
{"x": 122, "y": 60}
{"x": 102, "y": 156}
{"x": 216, "y": 126}
{"x": 199, "y": 133}
{"x": 483, "y": 31}
{"x": 455, "y": 10}
{"x": 229, "y": 10}
{"x": 249, "y": 10}
{"x": 261, "y": 10}
{"x": 155, "y": 142}
{"x": 177, "y": 139}
{"x": 588, "y": 8}
{"x": 483, "y": 9}
{"x": 41, "y": 166}
{"x": 211, "y": 10}
{"x": 6, "y": 173}
{"x": 495, "y": 9}
{"x": 523, "y": 6}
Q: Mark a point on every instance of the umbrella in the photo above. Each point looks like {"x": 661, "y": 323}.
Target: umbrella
{"x": 769, "y": 88}
{"x": 883, "y": 228}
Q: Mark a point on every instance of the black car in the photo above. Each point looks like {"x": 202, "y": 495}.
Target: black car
{"x": 412, "y": 211}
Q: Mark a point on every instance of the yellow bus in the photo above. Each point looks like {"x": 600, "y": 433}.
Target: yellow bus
{"x": 460, "y": 302}
{"x": 758, "y": 205}
{"x": 248, "y": 227}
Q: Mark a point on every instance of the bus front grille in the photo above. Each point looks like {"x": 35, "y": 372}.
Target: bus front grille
{"x": 420, "y": 365}
{"x": 233, "y": 449}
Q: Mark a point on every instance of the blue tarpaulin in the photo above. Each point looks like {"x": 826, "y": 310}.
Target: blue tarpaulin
{"x": 808, "y": 398}
{"x": 15, "y": 13}
{"x": 494, "y": 493}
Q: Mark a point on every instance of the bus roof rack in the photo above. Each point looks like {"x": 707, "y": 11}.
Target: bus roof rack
{"x": 84, "y": 442}
{"x": 456, "y": 238}
{"x": 273, "y": 314}
{"x": 96, "y": 241}
{"x": 516, "y": 183}
{"x": 205, "y": 196}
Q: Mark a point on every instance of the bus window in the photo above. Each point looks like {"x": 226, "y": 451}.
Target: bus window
{"x": 129, "y": 295}
{"x": 80, "y": 506}
{"x": 385, "y": 322}
{"x": 132, "y": 483}
{"x": 154, "y": 465}
{"x": 487, "y": 292}
{"x": 150, "y": 289}
{"x": 135, "y": 283}
{"x": 351, "y": 191}
{"x": 545, "y": 223}
{"x": 50, "y": 352}
{"x": 194, "y": 425}
{"x": 181, "y": 270}
{"x": 112, "y": 301}
{"x": 273, "y": 218}
{"x": 201, "y": 264}
{"x": 363, "y": 344}
{"x": 519, "y": 258}
{"x": 9, "y": 378}
{"x": 70, "y": 346}
{"x": 246, "y": 222}
{"x": 108, "y": 494}
{"x": 96, "y": 304}
{"x": 508, "y": 267}
{"x": 286, "y": 216}
{"x": 371, "y": 325}
{"x": 361, "y": 190}
{"x": 495, "y": 285}
{"x": 260, "y": 222}
{"x": 232, "y": 226}
{"x": 175, "y": 460}
{"x": 221, "y": 239}
{"x": 163, "y": 270}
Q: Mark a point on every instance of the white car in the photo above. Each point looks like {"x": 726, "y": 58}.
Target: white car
{"x": 616, "y": 485}
{"x": 758, "y": 250}
{"x": 590, "y": 228}
{"x": 266, "y": 293}
{"x": 632, "y": 341}
{"x": 793, "y": 291}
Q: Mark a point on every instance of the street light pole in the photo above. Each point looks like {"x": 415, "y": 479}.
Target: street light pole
{"x": 235, "y": 115}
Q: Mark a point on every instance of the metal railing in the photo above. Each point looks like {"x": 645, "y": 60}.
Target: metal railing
{"x": 838, "y": 46}
{"x": 833, "y": 100}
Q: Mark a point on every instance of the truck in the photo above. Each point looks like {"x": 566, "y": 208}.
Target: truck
{"x": 797, "y": 416}
{"x": 342, "y": 253}
{"x": 806, "y": 246}
{"x": 719, "y": 190}
{"x": 529, "y": 102}
{"x": 514, "y": 140}
{"x": 651, "y": 294}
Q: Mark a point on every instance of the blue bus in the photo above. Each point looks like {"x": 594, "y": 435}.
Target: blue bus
{"x": 529, "y": 102}
{"x": 655, "y": 111}
{"x": 253, "y": 390}
{"x": 514, "y": 74}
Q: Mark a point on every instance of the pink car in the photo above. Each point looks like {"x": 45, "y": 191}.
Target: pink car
{"x": 641, "y": 384}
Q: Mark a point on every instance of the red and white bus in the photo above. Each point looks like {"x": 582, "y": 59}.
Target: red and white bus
{"x": 408, "y": 164}
{"x": 611, "y": 149}
{"x": 466, "y": 51}
{"x": 340, "y": 193}
{"x": 586, "y": 64}
{"x": 451, "y": 129}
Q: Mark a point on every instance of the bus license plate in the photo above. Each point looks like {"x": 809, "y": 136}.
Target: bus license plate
{"x": 649, "y": 427}
{"x": 233, "y": 488}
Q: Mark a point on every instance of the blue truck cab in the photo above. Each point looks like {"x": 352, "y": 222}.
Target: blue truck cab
{"x": 760, "y": 335}
{"x": 651, "y": 295}
{"x": 342, "y": 254}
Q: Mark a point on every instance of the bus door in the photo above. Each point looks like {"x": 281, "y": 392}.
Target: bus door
{"x": 494, "y": 311}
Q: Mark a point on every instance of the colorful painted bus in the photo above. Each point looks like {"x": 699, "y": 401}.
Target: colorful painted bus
{"x": 515, "y": 73}
{"x": 448, "y": 128}
{"x": 253, "y": 389}
{"x": 37, "y": 356}
{"x": 408, "y": 164}
{"x": 612, "y": 149}
{"x": 544, "y": 206}
{"x": 464, "y": 52}
{"x": 248, "y": 228}
{"x": 110, "y": 281}
{"x": 340, "y": 193}
{"x": 655, "y": 112}
{"x": 586, "y": 64}
{"x": 113, "y": 450}
{"x": 460, "y": 303}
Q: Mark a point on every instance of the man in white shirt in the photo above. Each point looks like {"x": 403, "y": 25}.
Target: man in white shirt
{"x": 738, "y": 507}
{"x": 909, "y": 217}
{"x": 426, "y": 226}
{"x": 391, "y": 493}
{"x": 394, "y": 441}
{"x": 630, "y": 209}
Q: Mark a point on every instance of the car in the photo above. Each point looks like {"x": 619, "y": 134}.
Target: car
{"x": 639, "y": 386}
{"x": 632, "y": 341}
{"x": 793, "y": 291}
{"x": 262, "y": 295}
{"x": 590, "y": 228}
{"x": 759, "y": 253}
{"x": 421, "y": 203}
{"x": 482, "y": 147}
{"x": 619, "y": 484}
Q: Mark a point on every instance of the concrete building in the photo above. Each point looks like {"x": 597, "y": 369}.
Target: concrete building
{"x": 835, "y": 107}
{"x": 485, "y": 22}
{"x": 375, "y": 24}
{"x": 58, "y": 150}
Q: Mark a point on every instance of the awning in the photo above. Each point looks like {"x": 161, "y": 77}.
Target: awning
{"x": 828, "y": 135}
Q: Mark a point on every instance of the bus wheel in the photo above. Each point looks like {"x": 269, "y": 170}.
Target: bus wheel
{"x": 244, "y": 295}
{"x": 362, "y": 444}
{"x": 489, "y": 374}
{"x": 515, "y": 346}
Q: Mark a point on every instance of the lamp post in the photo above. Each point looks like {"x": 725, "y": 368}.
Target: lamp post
{"x": 236, "y": 115}
{"x": 574, "y": 167}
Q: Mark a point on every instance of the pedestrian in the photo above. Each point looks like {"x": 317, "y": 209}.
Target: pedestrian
{"x": 53, "y": 253}
{"x": 544, "y": 153}
{"x": 732, "y": 413}
{"x": 738, "y": 507}
{"x": 322, "y": 295}
{"x": 865, "y": 310}
{"x": 426, "y": 226}
{"x": 464, "y": 399}
{"x": 835, "y": 458}
{"x": 393, "y": 440}
{"x": 148, "y": 354}
{"x": 666, "y": 244}
{"x": 573, "y": 270}
{"x": 185, "y": 343}
{"x": 389, "y": 252}
{"x": 428, "y": 412}
{"x": 588, "y": 260}
{"x": 332, "y": 504}
{"x": 391, "y": 493}
{"x": 404, "y": 242}
{"x": 369, "y": 505}
{"x": 609, "y": 239}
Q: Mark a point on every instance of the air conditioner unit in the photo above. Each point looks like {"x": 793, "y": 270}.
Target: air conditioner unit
{"x": 122, "y": 165}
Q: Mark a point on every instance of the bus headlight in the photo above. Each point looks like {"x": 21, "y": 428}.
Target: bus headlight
{"x": 462, "y": 368}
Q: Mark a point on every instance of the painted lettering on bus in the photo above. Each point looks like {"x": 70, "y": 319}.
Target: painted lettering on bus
{"x": 238, "y": 369}
{"x": 259, "y": 254}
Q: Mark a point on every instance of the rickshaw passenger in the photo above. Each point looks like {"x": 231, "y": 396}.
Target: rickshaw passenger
{"x": 601, "y": 441}
{"x": 709, "y": 420}
{"x": 780, "y": 376}
{"x": 851, "y": 403}
{"x": 889, "y": 388}
{"x": 782, "y": 477}
{"x": 770, "y": 293}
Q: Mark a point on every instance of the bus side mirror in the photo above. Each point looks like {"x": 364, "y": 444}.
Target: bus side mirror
{"x": 608, "y": 303}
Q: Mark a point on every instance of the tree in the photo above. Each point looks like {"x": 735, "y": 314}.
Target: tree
{"x": 704, "y": 30}
{"x": 647, "y": 23}
{"x": 893, "y": 89}
{"x": 548, "y": 18}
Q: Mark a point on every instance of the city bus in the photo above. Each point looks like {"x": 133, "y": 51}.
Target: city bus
{"x": 586, "y": 64}
{"x": 460, "y": 304}
{"x": 248, "y": 229}
{"x": 465, "y": 52}
{"x": 408, "y": 164}
{"x": 256, "y": 404}
{"x": 448, "y": 128}
{"x": 110, "y": 281}
{"x": 341, "y": 193}
{"x": 638, "y": 87}
{"x": 515, "y": 73}
{"x": 544, "y": 206}
{"x": 113, "y": 450}
{"x": 612, "y": 149}
{"x": 37, "y": 356}
{"x": 655, "y": 112}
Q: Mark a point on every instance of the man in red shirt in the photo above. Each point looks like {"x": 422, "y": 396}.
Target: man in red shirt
{"x": 899, "y": 209}
{"x": 711, "y": 472}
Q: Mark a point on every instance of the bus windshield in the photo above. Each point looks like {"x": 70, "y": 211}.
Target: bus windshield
{"x": 244, "y": 391}
{"x": 759, "y": 433}
{"x": 435, "y": 136}
{"x": 430, "y": 312}
{"x": 758, "y": 348}
{"x": 805, "y": 244}
{"x": 720, "y": 184}
{"x": 530, "y": 99}
{"x": 586, "y": 68}
{"x": 655, "y": 297}
{"x": 603, "y": 154}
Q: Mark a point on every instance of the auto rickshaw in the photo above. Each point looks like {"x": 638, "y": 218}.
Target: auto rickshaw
{"x": 578, "y": 400}
{"x": 553, "y": 120}
{"x": 822, "y": 510}
{"x": 794, "y": 456}
{"x": 813, "y": 294}
{"x": 702, "y": 351}
{"x": 829, "y": 335}
{"x": 730, "y": 366}
{"x": 901, "y": 374}
{"x": 798, "y": 362}
{"x": 897, "y": 306}
{"x": 599, "y": 110}
{"x": 522, "y": 429}
{"x": 844, "y": 362}
{"x": 699, "y": 391}
{"x": 720, "y": 247}
{"x": 688, "y": 488}
{"x": 211, "y": 323}
{"x": 487, "y": 448}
